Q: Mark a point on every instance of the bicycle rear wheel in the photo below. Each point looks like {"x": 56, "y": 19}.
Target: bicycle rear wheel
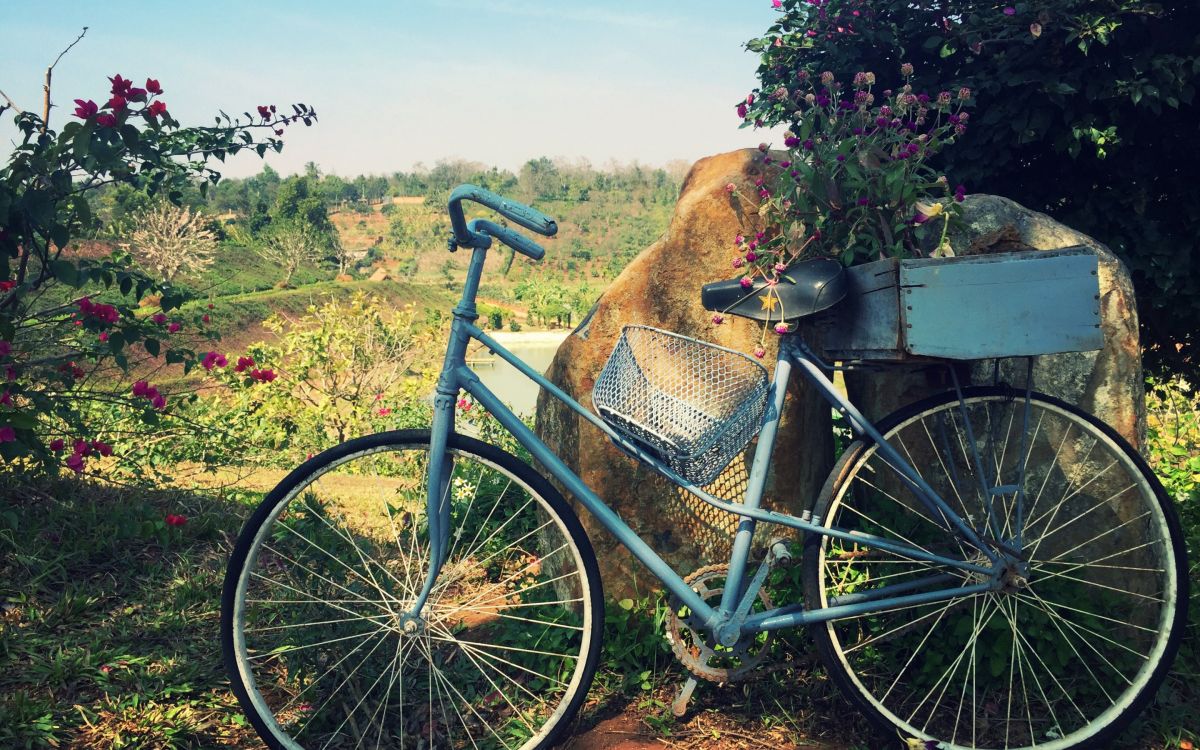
{"x": 1064, "y": 657}
{"x": 313, "y": 629}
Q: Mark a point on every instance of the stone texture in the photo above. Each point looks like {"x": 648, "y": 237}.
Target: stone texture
{"x": 1107, "y": 383}
{"x": 661, "y": 288}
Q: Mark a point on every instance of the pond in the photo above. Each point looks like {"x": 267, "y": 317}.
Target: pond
{"x": 536, "y": 348}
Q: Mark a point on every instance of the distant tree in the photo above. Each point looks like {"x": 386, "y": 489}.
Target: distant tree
{"x": 167, "y": 240}
{"x": 290, "y": 244}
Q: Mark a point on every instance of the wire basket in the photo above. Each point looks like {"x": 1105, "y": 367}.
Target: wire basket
{"x": 697, "y": 405}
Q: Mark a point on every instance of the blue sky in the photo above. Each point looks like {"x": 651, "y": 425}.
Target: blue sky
{"x": 413, "y": 81}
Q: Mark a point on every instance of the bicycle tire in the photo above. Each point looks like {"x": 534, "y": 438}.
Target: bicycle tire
{"x": 329, "y": 560}
{"x": 1041, "y": 658}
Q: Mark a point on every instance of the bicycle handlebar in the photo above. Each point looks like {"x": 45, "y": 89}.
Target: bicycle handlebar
{"x": 518, "y": 242}
{"x": 530, "y": 218}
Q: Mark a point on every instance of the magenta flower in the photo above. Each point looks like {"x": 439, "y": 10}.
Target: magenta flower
{"x": 75, "y": 463}
{"x": 718, "y": 319}
{"x": 7, "y": 434}
{"x": 85, "y": 109}
{"x": 1010, "y": 11}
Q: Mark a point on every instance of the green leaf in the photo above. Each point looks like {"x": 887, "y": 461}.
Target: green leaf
{"x": 625, "y": 604}
{"x": 152, "y": 347}
{"x": 66, "y": 272}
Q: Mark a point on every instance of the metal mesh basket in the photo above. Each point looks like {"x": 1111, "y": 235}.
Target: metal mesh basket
{"x": 697, "y": 405}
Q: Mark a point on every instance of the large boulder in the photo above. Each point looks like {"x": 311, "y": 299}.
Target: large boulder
{"x": 661, "y": 288}
{"x": 1107, "y": 383}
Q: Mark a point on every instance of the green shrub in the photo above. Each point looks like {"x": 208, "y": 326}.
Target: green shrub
{"x": 1085, "y": 110}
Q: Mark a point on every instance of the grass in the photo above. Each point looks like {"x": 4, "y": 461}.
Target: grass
{"x": 109, "y": 621}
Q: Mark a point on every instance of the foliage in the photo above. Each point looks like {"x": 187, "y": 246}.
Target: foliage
{"x": 1087, "y": 112}
{"x": 1173, "y": 447}
{"x": 289, "y": 244}
{"x": 58, "y": 350}
{"x": 168, "y": 240}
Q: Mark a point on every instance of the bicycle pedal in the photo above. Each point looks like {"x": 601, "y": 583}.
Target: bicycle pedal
{"x": 680, "y": 704}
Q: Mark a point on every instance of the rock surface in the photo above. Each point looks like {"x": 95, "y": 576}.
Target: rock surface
{"x": 661, "y": 288}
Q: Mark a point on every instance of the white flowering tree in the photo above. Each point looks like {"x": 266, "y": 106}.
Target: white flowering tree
{"x": 168, "y": 240}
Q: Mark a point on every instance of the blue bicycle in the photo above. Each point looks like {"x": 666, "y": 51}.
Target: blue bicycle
{"x": 988, "y": 568}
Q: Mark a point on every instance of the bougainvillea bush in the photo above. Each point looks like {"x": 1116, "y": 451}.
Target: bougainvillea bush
{"x": 1084, "y": 110}
{"x": 855, "y": 183}
{"x": 70, "y": 320}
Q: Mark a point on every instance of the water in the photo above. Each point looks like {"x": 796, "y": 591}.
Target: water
{"x": 536, "y": 348}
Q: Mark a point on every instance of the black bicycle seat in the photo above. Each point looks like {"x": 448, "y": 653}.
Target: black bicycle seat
{"x": 805, "y": 288}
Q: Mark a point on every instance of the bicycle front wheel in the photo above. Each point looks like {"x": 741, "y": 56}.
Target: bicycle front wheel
{"x": 1072, "y": 647}
{"x": 314, "y": 628}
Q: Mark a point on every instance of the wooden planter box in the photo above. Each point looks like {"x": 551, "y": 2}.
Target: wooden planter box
{"x": 974, "y": 307}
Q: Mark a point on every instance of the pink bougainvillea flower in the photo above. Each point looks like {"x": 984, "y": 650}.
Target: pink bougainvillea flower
{"x": 57, "y": 445}
{"x": 156, "y": 108}
{"x": 776, "y": 3}
{"x": 718, "y": 319}
{"x": 103, "y": 336}
{"x": 173, "y": 328}
{"x": 75, "y": 463}
{"x": 384, "y": 411}
{"x": 213, "y": 359}
{"x": 6, "y": 285}
{"x": 159, "y": 318}
{"x": 82, "y": 447}
{"x": 117, "y": 103}
{"x": 204, "y": 318}
{"x": 158, "y": 402}
{"x": 7, "y": 434}
{"x": 244, "y": 363}
{"x": 141, "y": 388}
{"x": 264, "y": 111}
{"x": 175, "y": 520}
{"x": 136, "y": 95}
{"x": 263, "y": 376}
{"x": 120, "y": 85}
{"x": 104, "y": 449}
{"x": 742, "y": 111}
{"x": 464, "y": 404}
{"x": 152, "y": 86}
{"x": 85, "y": 109}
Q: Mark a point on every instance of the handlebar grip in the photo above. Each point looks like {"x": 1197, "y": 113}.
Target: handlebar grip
{"x": 530, "y": 218}
{"x": 518, "y": 242}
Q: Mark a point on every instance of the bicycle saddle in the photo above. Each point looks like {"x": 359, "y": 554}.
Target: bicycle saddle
{"x": 805, "y": 288}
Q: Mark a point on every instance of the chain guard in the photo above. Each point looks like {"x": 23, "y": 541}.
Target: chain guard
{"x": 690, "y": 644}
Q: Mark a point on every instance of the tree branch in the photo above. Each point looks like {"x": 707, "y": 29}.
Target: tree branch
{"x": 49, "y": 74}
{"x": 11, "y": 103}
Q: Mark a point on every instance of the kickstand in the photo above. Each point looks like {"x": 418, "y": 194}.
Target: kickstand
{"x": 680, "y": 704}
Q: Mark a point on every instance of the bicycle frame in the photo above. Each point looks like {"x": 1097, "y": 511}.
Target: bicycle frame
{"x": 730, "y": 620}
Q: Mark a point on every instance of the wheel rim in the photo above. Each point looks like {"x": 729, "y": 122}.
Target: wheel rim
{"x": 320, "y": 638}
{"x": 1070, "y": 644}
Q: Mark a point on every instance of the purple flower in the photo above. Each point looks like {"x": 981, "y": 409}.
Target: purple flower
{"x": 746, "y": 282}
{"x": 960, "y": 192}
{"x": 1010, "y": 11}
{"x": 791, "y": 141}
{"x": 864, "y": 202}
{"x": 841, "y": 157}
{"x": 809, "y": 145}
